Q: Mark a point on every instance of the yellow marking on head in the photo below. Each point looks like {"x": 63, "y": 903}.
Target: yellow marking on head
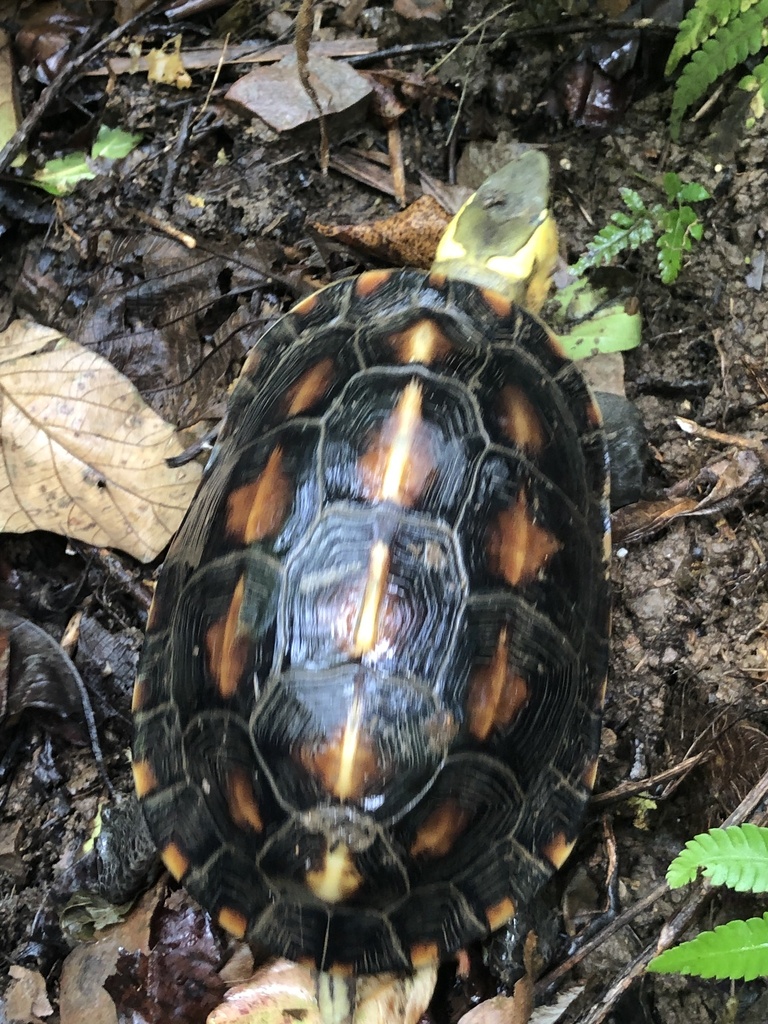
{"x": 338, "y": 878}
{"x": 375, "y": 587}
{"x": 500, "y": 913}
{"x": 227, "y": 646}
{"x": 558, "y": 849}
{"x": 503, "y": 238}
{"x": 175, "y": 860}
{"x": 497, "y": 693}
{"x": 144, "y": 778}
{"x": 233, "y": 921}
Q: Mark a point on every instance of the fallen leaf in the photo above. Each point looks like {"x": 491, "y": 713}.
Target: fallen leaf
{"x": 166, "y": 66}
{"x": 26, "y": 1000}
{"x": 82, "y": 454}
{"x": 276, "y": 95}
{"x": 10, "y": 115}
{"x": 407, "y": 239}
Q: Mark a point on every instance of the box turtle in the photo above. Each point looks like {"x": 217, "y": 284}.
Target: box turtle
{"x": 368, "y": 707}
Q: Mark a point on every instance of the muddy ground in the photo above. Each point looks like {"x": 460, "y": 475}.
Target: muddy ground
{"x": 690, "y": 655}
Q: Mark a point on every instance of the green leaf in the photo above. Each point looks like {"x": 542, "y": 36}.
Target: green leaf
{"x": 60, "y": 176}
{"x": 728, "y": 46}
{"x": 736, "y": 856}
{"x": 633, "y": 200}
{"x": 737, "y": 950}
{"x": 692, "y": 192}
{"x": 702, "y": 21}
{"x": 113, "y": 143}
{"x": 672, "y": 185}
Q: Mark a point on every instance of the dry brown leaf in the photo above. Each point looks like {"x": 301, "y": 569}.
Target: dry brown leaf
{"x": 407, "y": 239}
{"x": 276, "y": 95}
{"x": 82, "y": 996}
{"x": 82, "y": 454}
{"x": 26, "y": 1000}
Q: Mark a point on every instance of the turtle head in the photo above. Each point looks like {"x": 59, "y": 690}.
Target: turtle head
{"x": 504, "y": 236}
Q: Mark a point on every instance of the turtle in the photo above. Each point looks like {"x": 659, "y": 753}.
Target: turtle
{"x": 368, "y": 708}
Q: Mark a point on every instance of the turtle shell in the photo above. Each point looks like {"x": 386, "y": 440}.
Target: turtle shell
{"x": 368, "y": 707}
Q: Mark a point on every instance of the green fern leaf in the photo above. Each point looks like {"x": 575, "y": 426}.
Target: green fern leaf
{"x": 735, "y": 950}
{"x": 735, "y": 856}
{"x": 702, "y": 21}
{"x": 757, "y": 83}
{"x": 729, "y": 46}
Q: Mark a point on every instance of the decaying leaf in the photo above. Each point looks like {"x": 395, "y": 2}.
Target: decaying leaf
{"x": 82, "y": 455}
{"x": 165, "y": 65}
{"x": 26, "y": 1000}
{"x": 276, "y": 95}
{"x": 718, "y": 487}
{"x": 407, "y": 239}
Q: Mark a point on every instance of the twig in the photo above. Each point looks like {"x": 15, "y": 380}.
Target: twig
{"x": 303, "y": 36}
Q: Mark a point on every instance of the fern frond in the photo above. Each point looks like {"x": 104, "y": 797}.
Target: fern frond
{"x": 735, "y": 856}
{"x": 701, "y": 22}
{"x": 735, "y": 950}
{"x": 728, "y": 47}
{"x": 757, "y": 83}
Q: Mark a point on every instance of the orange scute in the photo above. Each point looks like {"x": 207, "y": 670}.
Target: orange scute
{"x": 558, "y": 849}
{"x": 519, "y": 421}
{"x": 589, "y": 774}
{"x": 423, "y": 342}
{"x": 347, "y": 766}
{"x": 518, "y": 549}
{"x": 139, "y": 695}
{"x": 233, "y": 921}
{"x": 144, "y": 778}
{"x": 258, "y": 509}
{"x": 243, "y": 808}
{"x": 500, "y": 913}
{"x": 310, "y": 387}
{"x": 435, "y": 838}
{"x": 366, "y": 628}
{"x": 497, "y": 693}
{"x": 399, "y": 460}
{"x": 227, "y": 647}
{"x": 337, "y": 878}
{"x": 423, "y": 953}
{"x": 175, "y": 860}
{"x": 500, "y": 305}
{"x": 368, "y": 284}
{"x": 306, "y": 305}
